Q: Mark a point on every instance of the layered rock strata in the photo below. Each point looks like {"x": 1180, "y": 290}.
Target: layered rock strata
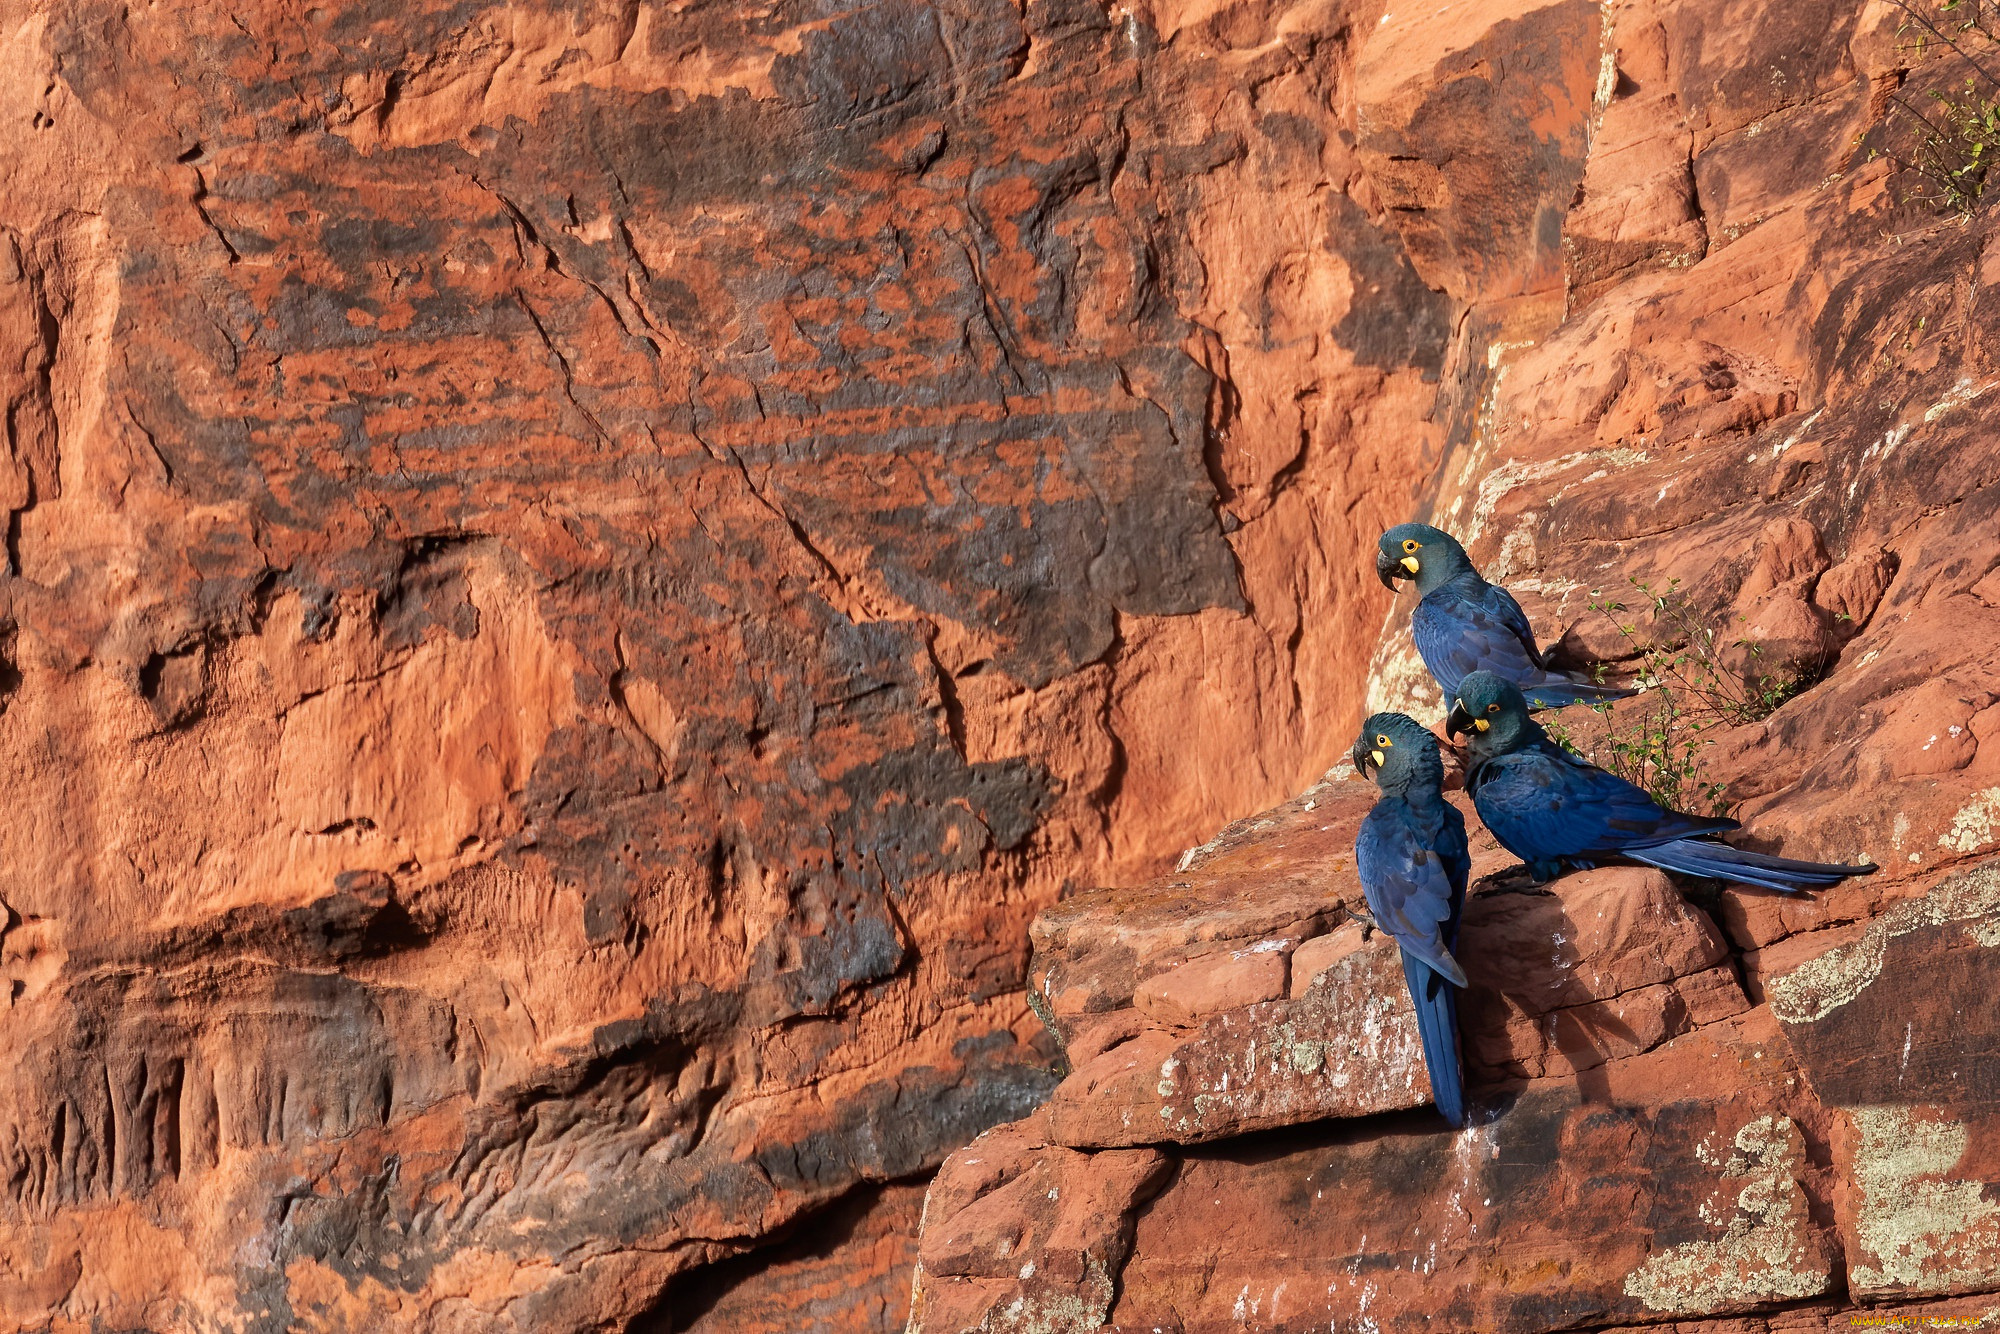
{"x": 1647, "y": 1144}
{"x": 1763, "y": 411}
{"x": 575, "y": 574}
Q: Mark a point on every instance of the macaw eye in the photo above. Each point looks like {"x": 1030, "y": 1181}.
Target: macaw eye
{"x": 1493, "y": 708}
{"x": 1383, "y": 741}
{"x": 1411, "y": 544}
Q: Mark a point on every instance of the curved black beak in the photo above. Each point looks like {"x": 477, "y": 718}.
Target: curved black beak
{"x": 1388, "y": 569}
{"x": 1459, "y": 721}
{"x": 1362, "y": 759}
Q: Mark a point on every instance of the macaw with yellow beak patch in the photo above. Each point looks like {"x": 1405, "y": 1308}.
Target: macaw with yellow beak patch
{"x": 1413, "y": 861}
{"x": 1464, "y": 624}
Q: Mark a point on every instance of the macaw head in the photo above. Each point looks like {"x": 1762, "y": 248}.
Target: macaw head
{"x": 1490, "y": 711}
{"x": 1420, "y": 552}
{"x": 1401, "y": 752}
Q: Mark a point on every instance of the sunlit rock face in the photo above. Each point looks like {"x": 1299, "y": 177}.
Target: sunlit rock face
{"x": 1646, "y": 1143}
{"x": 577, "y": 577}
{"x": 1763, "y": 389}
{"x": 576, "y": 574}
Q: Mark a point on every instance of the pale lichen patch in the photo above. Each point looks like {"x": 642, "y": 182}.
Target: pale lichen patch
{"x": 1820, "y": 986}
{"x": 1514, "y": 474}
{"x": 1400, "y": 682}
{"x": 1961, "y": 393}
{"x": 1767, "y": 1251}
{"x": 1054, "y": 1312}
{"x": 1974, "y": 826}
{"x": 1924, "y": 1230}
{"x": 1517, "y": 553}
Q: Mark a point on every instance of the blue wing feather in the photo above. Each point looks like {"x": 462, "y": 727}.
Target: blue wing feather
{"x": 1413, "y": 870}
{"x": 1546, "y": 805}
{"x": 1502, "y": 606}
{"x": 1409, "y": 887}
{"x": 1459, "y": 631}
{"x": 1719, "y": 861}
{"x": 1436, "y": 1002}
{"x": 1467, "y": 625}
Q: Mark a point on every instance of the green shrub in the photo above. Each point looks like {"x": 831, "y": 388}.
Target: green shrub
{"x": 1654, "y": 743}
{"x": 1952, "y": 132}
{"x": 1658, "y": 739}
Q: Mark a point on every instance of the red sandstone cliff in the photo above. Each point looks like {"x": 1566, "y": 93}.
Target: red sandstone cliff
{"x": 1763, "y": 373}
{"x": 577, "y": 576}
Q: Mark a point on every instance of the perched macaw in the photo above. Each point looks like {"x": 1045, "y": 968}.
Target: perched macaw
{"x": 1556, "y": 811}
{"x": 1412, "y": 858}
{"x": 1464, "y": 624}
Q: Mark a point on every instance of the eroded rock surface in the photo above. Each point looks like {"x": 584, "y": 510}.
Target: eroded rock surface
{"x": 1236, "y": 996}
{"x": 576, "y": 575}
{"x": 1765, "y": 387}
{"x": 1896, "y": 1031}
{"x": 1646, "y": 1145}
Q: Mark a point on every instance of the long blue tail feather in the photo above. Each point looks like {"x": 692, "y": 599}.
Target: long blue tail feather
{"x": 1556, "y": 694}
{"x": 1436, "y": 1001}
{"x": 1719, "y": 861}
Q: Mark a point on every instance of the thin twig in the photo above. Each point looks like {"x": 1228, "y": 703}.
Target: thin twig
{"x": 1949, "y": 41}
{"x": 1896, "y": 99}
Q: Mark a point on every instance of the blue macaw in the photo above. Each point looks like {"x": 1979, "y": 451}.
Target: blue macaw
{"x": 1412, "y": 858}
{"x": 1464, "y": 624}
{"x": 1556, "y": 811}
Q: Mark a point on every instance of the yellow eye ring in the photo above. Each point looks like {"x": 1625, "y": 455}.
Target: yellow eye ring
{"x": 1383, "y": 741}
{"x": 1493, "y": 708}
{"x": 1411, "y": 544}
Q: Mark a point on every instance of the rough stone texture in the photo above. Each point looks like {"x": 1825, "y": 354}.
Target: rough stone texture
{"x": 1022, "y": 1235}
{"x": 1502, "y": 1228}
{"x": 1646, "y": 1145}
{"x": 1181, "y": 1009}
{"x": 1897, "y": 1031}
{"x": 1605, "y": 964}
{"x": 845, "y": 1270}
{"x": 1596, "y": 965}
{"x": 1767, "y": 376}
{"x": 1670, "y": 1161}
{"x": 575, "y": 573}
